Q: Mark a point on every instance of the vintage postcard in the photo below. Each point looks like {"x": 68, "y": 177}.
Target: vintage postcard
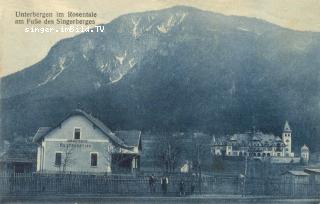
{"x": 160, "y": 101}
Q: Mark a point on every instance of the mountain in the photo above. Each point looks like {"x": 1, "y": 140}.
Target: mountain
{"x": 177, "y": 69}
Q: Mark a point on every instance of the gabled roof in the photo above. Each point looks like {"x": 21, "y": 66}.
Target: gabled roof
{"x": 312, "y": 171}
{"x": 297, "y": 173}
{"x": 304, "y": 147}
{"x": 43, "y": 131}
{"x": 278, "y": 139}
{"x": 130, "y": 137}
{"x": 255, "y": 138}
{"x": 286, "y": 127}
{"x": 21, "y": 151}
{"x": 245, "y": 139}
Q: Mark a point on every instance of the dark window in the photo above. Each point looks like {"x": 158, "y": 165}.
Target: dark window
{"x": 94, "y": 159}
{"x": 57, "y": 161}
{"x": 77, "y": 133}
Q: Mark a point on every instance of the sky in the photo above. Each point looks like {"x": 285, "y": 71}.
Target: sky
{"x": 19, "y": 49}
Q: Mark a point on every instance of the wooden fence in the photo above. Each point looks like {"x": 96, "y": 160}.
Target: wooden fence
{"x": 55, "y": 184}
{"x": 282, "y": 188}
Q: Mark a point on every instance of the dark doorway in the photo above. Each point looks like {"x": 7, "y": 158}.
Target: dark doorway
{"x": 121, "y": 163}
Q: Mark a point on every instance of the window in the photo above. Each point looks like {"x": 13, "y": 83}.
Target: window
{"x": 94, "y": 159}
{"x": 57, "y": 161}
{"x": 77, "y": 133}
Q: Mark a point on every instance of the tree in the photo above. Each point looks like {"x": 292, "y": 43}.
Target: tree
{"x": 167, "y": 151}
{"x": 66, "y": 157}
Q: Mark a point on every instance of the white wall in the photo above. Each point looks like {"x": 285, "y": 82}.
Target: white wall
{"x": 92, "y": 140}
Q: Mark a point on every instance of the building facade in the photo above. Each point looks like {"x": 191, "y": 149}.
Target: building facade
{"x": 295, "y": 183}
{"x": 305, "y": 154}
{"x": 19, "y": 157}
{"x": 82, "y": 143}
{"x": 255, "y": 144}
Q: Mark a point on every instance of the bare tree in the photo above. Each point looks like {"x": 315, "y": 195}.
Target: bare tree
{"x": 200, "y": 150}
{"x": 66, "y": 158}
{"x": 167, "y": 152}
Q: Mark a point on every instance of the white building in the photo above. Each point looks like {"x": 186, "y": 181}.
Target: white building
{"x": 305, "y": 154}
{"x": 255, "y": 144}
{"x": 82, "y": 143}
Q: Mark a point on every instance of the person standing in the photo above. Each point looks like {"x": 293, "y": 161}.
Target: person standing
{"x": 192, "y": 187}
{"x": 164, "y": 184}
{"x": 151, "y": 183}
{"x": 181, "y": 188}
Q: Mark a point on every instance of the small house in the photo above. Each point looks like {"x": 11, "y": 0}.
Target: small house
{"x": 81, "y": 143}
{"x": 314, "y": 180}
{"x": 20, "y": 157}
{"x": 294, "y": 183}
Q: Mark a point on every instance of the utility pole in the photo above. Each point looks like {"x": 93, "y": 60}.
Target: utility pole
{"x": 170, "y": 162}
{"x": 245, "y": 175}
{"x": 199, "y": 168}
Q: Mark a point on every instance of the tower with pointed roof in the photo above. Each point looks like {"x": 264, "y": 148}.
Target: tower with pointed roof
{"x": 287, "y": 140}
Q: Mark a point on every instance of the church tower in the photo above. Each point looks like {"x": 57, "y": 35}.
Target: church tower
{"x": 287, "y": 140}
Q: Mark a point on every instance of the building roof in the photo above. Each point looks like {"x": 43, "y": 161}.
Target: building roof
{"x": 304, "y": 147}
{"x": 43, "y": 131}
{"x": 246, "y": 138}
{"x": 21, "y": 151}
{"x": 297, "y": 173}
{"x": 286, "y": 127}
{"x": 312, "y": 171}
{"x": 130, "y": 137}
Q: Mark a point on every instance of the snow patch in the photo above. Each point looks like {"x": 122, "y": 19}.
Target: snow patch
{"x": 57, "y": 70}
{"x": 132, "y": 62}
{"x": 122, "y": 71}
{"x": 171, "y": 22}
{"x": 121, "y": 58}
{"x": 135, "y": 33}
{"x": 61, "y": 66}
{"x": 162, "y": 29}
{"x": 243, "y": 29}
{"x": 116, "y": 79}
{"x": 149, "y": 28}
{"x": 182, "y": 17}
{"x": 103, "y": 67}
